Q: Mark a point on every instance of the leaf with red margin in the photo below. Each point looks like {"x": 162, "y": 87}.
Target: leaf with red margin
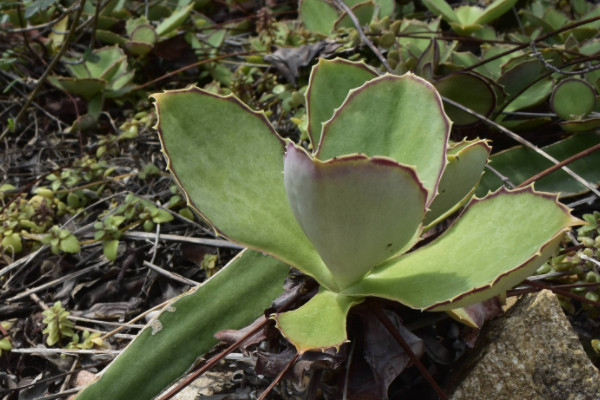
{"x": 496, "y": 243}
{"x": 319, "y": 324}
{"x": 400, "y": 117}
{"x": 466, "y": 161}
{"x": 357, "y": 211}
{"x": 329, "y": 84}
{"x": 228, "y": 160}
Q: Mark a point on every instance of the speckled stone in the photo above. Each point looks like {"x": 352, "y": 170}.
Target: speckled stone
{"x": 530, "y": 353}
{"x": 207, "y": 385}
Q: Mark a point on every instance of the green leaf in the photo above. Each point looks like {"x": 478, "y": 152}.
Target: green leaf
{"x": 386, "y": 7}
{"x": 184, "y": 331}
{"x": 110, "y": 248}
{"x": 520, "y": 76}
{"x": 466, "y": 161}
{"x": 107, "y": 63}
{"x": 229, "y": 162}
{"x": 496, "y": 243}
{"x": 138, "y": 48}
{"x": 520, "y": 163}
{"x": 363, "y": 11}
{"x": 53, "y": 337}
{"x": 494, "y": 11}
{"x": 109, "y": 37}
{"x": 357, "y": 211}
{"x": 470, "y": 90}
{"x": 70, "y": 244}
{"x": 318, "y": 324}
{"x": 468, "y": 17}
{"x": 318, "y": 16}
{"x": 573, "y": 98}
{"x": 400, "y": 117}
{"x": 533, "y": 95}
{"x": 175, "y": 20}
{"x": 144, "y": 33}
{"x": 329, "y": 84}
{"x": 11, "y": 243}
{"x": 583, "y": 125}
{"x": 162, "y": 216}
{"x": 5, "y": 344}
{"x": 440, "y": 7}
{"x": 85, "y": 87}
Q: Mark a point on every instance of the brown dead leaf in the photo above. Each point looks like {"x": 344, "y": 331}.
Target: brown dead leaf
{"x": 289, "y": 60}
{"x": 384, "y": 354}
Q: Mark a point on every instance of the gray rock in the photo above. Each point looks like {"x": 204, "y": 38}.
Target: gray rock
{"x": 530, "y": 353}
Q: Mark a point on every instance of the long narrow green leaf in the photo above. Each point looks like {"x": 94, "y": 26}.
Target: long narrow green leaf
{"x": 184, "y": 331}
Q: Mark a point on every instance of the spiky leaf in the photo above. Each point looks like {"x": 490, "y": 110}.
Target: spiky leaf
{"x": 318, "y": 324}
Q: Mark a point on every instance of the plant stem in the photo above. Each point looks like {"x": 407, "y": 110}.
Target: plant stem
{"x": 289, "y": 365}
{"x": 562, "y": 292}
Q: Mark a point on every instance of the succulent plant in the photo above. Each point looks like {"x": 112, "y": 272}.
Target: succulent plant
{"x": 322, "y": 17}
{"x": 348, "y": 212}
{"x": 351, "y": 213}
{"x": 469, "y": 19}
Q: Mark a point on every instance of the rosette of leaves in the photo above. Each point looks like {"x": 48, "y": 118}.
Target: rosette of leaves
{"x": 350, "y": 213}
{"x": 104, "y": 73}
{"x": 58, "y": 327}
{"x": 61, "y": 240}
{"x": 141, "y": 36}
{"x": 466, "y": 20}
